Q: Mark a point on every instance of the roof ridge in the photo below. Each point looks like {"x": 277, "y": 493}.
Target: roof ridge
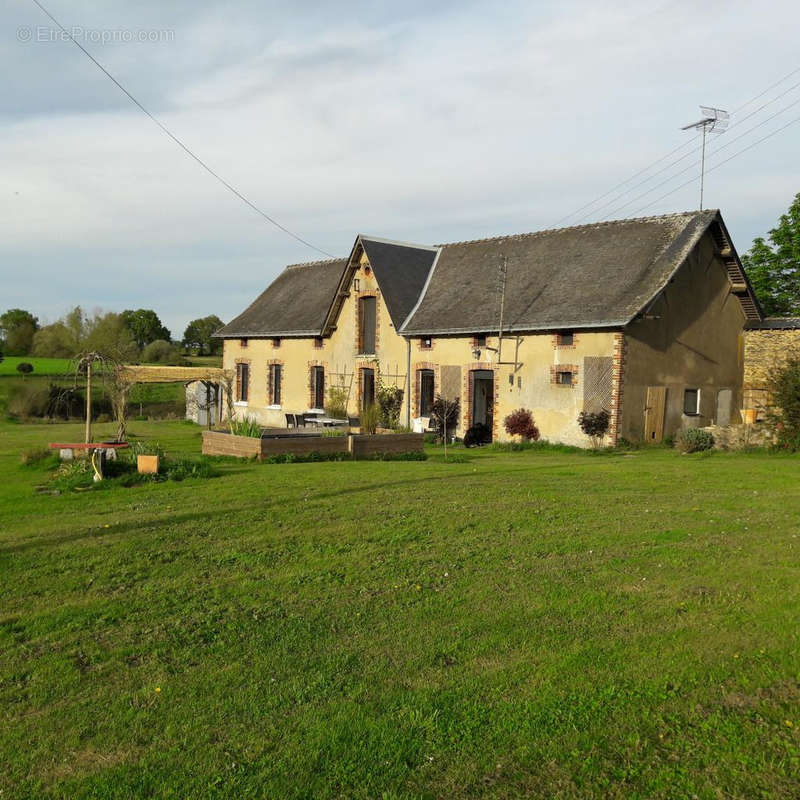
{"x": 314, "y": 263}
{"x": 605, "y": 223}
{"x": 396, "y": 242}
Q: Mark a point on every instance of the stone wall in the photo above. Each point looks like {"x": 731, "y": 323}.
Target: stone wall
{"x": 764, "y": 349}
{"x": 740, "y": 437}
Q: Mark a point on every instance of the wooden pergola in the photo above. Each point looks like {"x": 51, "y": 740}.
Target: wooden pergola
{"x": 128, "y": 375}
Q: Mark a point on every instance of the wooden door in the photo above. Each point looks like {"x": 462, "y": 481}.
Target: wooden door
{"x": 654, "y": 414}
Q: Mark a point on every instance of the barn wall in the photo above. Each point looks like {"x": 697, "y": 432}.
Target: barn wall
{"x": 692, "y": 338}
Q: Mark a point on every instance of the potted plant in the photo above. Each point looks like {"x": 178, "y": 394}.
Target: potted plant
{"x": 148, "y": 457}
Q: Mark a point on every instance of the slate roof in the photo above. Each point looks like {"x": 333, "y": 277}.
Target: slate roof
{"x": 401, "y": 270}
{"x": 590, "y": 276}
{"x": 294, "y": 304}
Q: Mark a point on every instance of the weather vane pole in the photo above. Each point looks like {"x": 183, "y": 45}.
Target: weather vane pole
{"x": 714, "y": 119}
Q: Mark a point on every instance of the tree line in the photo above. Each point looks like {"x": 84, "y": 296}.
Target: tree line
{"x": 133, "y": 335}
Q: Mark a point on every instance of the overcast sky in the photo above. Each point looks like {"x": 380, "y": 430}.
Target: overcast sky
{"x": 414, "y": 121}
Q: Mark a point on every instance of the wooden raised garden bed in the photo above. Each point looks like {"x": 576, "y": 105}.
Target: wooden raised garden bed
{"x": 220, "y": 443}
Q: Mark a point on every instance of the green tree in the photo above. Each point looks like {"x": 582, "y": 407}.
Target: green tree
{"x": 108, "y": 335}
{"x": 53, "y": 341}
{"x": 17, "y": 328}
{"x": 162, "y": 352}
{"x": 145, "y": 326}
{"x": 774, "y": 267}
{"x": 197, "y": 335}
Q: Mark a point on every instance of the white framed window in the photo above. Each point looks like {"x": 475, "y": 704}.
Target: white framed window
{"x": 691, "y": 402}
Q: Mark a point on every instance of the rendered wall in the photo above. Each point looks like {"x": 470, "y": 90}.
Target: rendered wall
{"x": 691, "y": 338}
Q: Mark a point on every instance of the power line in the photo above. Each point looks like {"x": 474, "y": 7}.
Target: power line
{"x": 711, "y": 169}
{"x": 177, "y": 141}
{"x": 728, "y": 143}
{"x": 676, "y": 150}
{"x": 669, "y": 166}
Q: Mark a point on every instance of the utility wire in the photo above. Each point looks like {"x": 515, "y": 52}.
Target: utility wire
{"x": 676, "y": 150}
{"x": 669, "y": 166}
{"x": 711, "y": 169}
{"x": 728, "y": 143}
{"x": 177, "y": 141}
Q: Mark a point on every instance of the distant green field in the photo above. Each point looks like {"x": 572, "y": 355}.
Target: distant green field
{"x": 41, "y": 366}
{"x": 508, "y": 625}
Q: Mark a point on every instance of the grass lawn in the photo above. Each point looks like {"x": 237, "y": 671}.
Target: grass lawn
{"x": 534, "y": 624}
{"x": 56, "y": 367}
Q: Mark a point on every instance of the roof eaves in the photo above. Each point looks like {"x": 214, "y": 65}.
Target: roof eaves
{"x": 567, "y": 325}
{"x": 222, "y": 334}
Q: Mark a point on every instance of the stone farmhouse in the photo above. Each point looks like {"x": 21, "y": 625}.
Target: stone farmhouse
{"x": 642, "y": 317}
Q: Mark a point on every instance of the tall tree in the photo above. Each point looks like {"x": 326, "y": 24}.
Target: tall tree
{"x": 17, "y": 328}
{"x": 145, "y": 326}
{"x": 774, "y": 268}
{"x": 198, "y": 334}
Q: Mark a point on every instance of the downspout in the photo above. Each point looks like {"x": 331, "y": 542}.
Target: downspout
{"x": 408, "y": 382}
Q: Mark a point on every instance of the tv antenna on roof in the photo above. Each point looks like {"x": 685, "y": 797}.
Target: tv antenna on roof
{"x": 714, "y": 119}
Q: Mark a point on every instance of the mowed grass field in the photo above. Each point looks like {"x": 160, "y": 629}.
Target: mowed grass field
{"x": 56, "y": 367}
{"x": 525, "y": 624}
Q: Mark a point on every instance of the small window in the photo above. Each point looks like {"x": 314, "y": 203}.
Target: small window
{"x": 426, "y": 387}
{"x": 242, "y": 382}
{"x": 242, "y": 342}
{"x": 356, "y": 285}
{"x": 318, "y": 342}
{"x": 275, "y": 380}
{"x": 426, "y": 343}
{"x": 480, "y": 340}
{"x": 566, "y": 339}
{"x": 276, "y": 342}
{"x": 691, "y": 402}
{"x": 318, "y": 386}
{"x": 564, "y": 378}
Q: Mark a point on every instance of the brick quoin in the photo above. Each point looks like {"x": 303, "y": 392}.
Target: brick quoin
{"x": 617, "y": 374}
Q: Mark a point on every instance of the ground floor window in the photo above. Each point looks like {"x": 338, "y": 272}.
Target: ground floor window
{"x": 318, "y": 386}
{"x": 691, "y": 402}
{"x": 426, "y": 389}
{"x": 275, "y": 381}
{"x": 242, "y": 382}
